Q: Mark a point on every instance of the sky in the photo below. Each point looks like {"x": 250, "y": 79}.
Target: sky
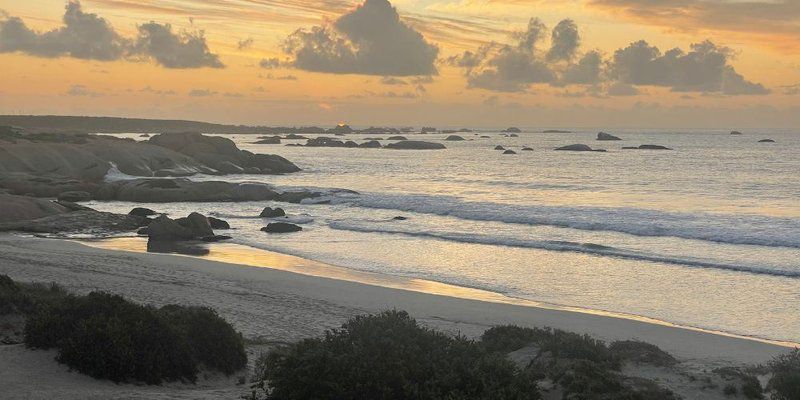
{"x": 452, "y": 63}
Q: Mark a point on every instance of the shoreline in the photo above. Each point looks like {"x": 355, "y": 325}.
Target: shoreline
{"x": 238, "y": 254}
{"x": 274, "y": 304}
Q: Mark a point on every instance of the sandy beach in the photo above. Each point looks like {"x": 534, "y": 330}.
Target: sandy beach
{"x": 271, "y": 305}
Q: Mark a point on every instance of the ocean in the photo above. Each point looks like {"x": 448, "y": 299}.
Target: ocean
{"x": 706, "y": 235}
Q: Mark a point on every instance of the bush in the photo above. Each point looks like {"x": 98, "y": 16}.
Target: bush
{"x": 730, "y": 390}
{"x": 213, "y": 341}
{"x": 589, "y": 380}
{"x": 389, "y": 356}
{"x": 558, "y": 343}
{"x": 108, "y": 337}
{"x": 785, "y": 382}
{"x": 20, "y": 298}
{"x": 641, "y": 352}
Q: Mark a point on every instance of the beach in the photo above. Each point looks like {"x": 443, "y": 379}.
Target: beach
{"x": 278, "y": 306}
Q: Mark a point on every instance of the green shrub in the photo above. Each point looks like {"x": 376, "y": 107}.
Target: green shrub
{"x": 389, "y": 356}
{"x": 785, "y": 382}
{"x": 751, "y": 387}
{"x": 592, "y": 381}
{"x": 558, "y": 343}
{"x": 22, "y": 298}
{"x": 108, "y": 337}
{"x": 213, "y": 341}
{"x": 641, "y": 352}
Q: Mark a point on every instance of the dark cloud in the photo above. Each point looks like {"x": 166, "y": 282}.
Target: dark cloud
{"x": 370, "y": 40}
{"x": 85, "y": 36}
{"x": 516, "y": 67}
{"x": 704, "y": 68}
{"x": 90, "y": 37}
{"x": 564, "y": 41}
{"x": 175, "y": 50}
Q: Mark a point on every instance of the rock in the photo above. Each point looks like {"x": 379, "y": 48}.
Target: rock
{"x": 513, "y": 135}
{"x": 164, "y": 228}
{"x": 88, "y": 221}
{"x": 399, "y": 218}
{"x": 509, "y": 152}
{"x": 142, "y": 212}
{"x": 324, "y": 142}
{"x": 269, "y": 140}
{"x": 281, "y": 227}
{"x": 647, "y": 147}
{"x": 512, "y": 130}
{"x": 454, "y": 138}
{"x": 736, "y": 133}
{"x": 143, "y": 231}
{"x": 575, "y": 147}
{"x": 396, "y": 138}
{"x": 498, "y": 147}
{"x": 350, "y": 144}
{"x": 527, "y": 149}
{"x": 75, "y": 196}
{"x": 293, "y": 136}
{"x": 251, "y": 170}
{"x": 21, "y": 208}
{"x": 297, "y": 196}
{"x": 606, "y": 136}
{"x": 227, "y": 167}
{"x": 73, "y": 206}
{"x": 215, "y": 238}
{"x": 270, "y": 212}
{"x": 372, "y": 144}
{"x": 197, "y": 223}
{"x": 427, "y": 129}
{"x": 183, "y": 190}
{"x": 766, "y": 141}
{"x": 485, "y": 136}
{"x": 217, "y": 223}
{"x": 415, "y": 145}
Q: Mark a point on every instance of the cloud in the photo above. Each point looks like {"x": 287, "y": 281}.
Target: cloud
{"x": 175, "y": 50}
{"x": 90, "y": 37}
{"x": 270, "y": 63}
{"x": 201, "y": 93}
{"x": 507, "y": 67}
{"x": 564, "y": 42}
{"x": 80, "y": 90}
{"x": 245, "y": 44}
{"x": 791, "y": 90}
{"x": 370, "y": 40}
{"x": 84, "y": 36}
{"x": 704, "y": 68}
{"x": 515, "y": 67}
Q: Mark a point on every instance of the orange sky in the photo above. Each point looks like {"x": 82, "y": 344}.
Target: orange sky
{"x": 763, "y": 41}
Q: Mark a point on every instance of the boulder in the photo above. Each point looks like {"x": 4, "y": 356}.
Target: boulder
{"x": 75, "y": 196}
{"x": 498, "y": 147}
{"x": 527, "y": 149}
{"x": 606, "y": 136}
{"x": 509, "y": 152}
{"x": 575, "y": 147}
{"x": 270, "y": 212}
{"x": 415, "y": 145}
{"x": 766, "y": 141}
{"x": 142, "y": 212}
{"x": 372, "y": 144}
{"x": 350, "y": 144}
{"x": 454, "y": 138}
{"x": 281, "y": 227}
{"x": 217, "y": 223}
{"x": 197, "y": 223}
{"x": 736, "y": 133}
{"x": 396, "y": 138}
{"x": 164, "y": 228}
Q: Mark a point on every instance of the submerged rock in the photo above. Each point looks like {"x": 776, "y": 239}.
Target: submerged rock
{"x": 183, "y": 190}
{"x": 766, "y": 141}
{"x": 606, "y": 136}
{"x": 142, "y": 212}
{"x": 577, "y": 147}
{"x": 415, "y": 145}
{"x": 281, "y": 227}
{"x": 270, "y": 212}
{"x": 509, "y": 152}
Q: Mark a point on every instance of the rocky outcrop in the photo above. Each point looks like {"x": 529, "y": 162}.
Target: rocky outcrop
{"x": 578, "y": 147}
{"x": 606, "y": 136}
{"x": 213, "y": 151}
{"x": 36, "y": 216}
{"x": 21, "y": 208}
{"x": 193, "y": 227}
{"x": 183, "y": 190}
{"x": 415, "y": 145}
{"x": 647, "y": 147}
{"x": 269, "y": 212}
{"x": 75, "y": 196}
{"x": 281, "y": 227}
{"x": 454, "y": 138}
